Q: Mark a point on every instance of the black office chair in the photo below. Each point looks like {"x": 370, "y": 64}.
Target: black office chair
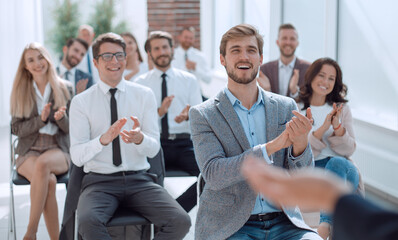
{"x": 16, "y": 179}
{"x": 128, "y": 217}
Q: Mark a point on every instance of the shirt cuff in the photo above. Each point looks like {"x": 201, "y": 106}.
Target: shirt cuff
{"x": 265, "y": 155}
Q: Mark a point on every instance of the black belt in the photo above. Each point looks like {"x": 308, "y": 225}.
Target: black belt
{"x": 178, "y": 136}
{"x": 122, "y": 173}
{"x": 264, "y": 216}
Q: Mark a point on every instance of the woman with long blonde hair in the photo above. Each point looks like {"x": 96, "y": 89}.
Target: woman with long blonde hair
{"x": 39, "y": 100}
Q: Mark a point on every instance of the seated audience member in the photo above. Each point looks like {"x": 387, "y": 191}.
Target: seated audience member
{"x": 244, "y": 119}
{"x": 86, "y": 32}
{"x": 135, "y": 65}
{"x": 354, "y": 217}
{"x": 285, "y": 75}
{"x": 175, "y": 91}
{"x": 113, "y": 143}
{"x": 73, "y": 53}
{"x": 190, "y": 59}
{"x": 332, "y": 137}
{"x": 39, "y": 119}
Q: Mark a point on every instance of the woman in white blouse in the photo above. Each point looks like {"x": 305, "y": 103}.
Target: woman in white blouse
{"x": 39, "y": 119}
{"x": 332, "y": 137}
{"x": 135, "y": 65}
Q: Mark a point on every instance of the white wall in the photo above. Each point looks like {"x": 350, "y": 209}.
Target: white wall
{"x": 20, "y": 24}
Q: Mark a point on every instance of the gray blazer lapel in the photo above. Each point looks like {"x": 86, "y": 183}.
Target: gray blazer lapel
{"x": 226, "y": 109}
{"x": 271, "y": 116}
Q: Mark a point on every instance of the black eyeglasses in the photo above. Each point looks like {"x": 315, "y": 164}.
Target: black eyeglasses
{"x": 120, "y": 56}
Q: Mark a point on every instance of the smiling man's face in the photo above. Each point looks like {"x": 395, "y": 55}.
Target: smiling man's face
{"x": 242, "y": 59}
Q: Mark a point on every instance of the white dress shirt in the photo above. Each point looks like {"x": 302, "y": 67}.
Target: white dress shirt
{"x": 285, "y": 74}
{"x": 90, "y": 117}
{"x": 41, "y": 100}
{"x": 83, "y": 65}
{"x": 182, "y": 85}
{"x": 71, "y": 75}
{"x": 202, "y": 71}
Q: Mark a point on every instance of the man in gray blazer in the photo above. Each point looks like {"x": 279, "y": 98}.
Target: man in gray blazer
{"x": 285, "y": 75}
{"x": 245, "y": 120}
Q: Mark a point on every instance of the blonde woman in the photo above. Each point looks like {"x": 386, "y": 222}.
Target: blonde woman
{"x": 39, "y": 119}
{"x": 135, "y": 65}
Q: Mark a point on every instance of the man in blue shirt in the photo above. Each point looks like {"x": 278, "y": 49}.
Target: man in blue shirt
{"x": 245, "y": 120}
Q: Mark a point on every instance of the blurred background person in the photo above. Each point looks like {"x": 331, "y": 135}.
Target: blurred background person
{"x": 135, "y": 65}
{"x": 332, "y": 137}
{"x": 86, "y": 32}
{"x": 73, "y": 53}
{"x": 191, "y": 59}
{"x": 39, "y": 119}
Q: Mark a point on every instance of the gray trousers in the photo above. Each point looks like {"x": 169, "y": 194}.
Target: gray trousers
{"x": 101, "y": 195}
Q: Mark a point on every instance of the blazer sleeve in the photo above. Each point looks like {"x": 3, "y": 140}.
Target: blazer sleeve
{"x": 344, "y": 145}
{"x": 357, "y": 219}
{"x": 219, "y": 171}
{"x": 23, "y": 127}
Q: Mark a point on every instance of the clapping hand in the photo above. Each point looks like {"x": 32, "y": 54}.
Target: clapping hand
{"x": 134, "y": 135}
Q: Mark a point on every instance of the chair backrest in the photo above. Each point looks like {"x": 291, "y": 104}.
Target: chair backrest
{"x": 157, "y": 166}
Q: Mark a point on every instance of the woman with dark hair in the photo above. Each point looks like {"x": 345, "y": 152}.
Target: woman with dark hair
{"x": 39, "y": 101}
{"x": 332, "y": 137}
{"x": 135, "y": 65}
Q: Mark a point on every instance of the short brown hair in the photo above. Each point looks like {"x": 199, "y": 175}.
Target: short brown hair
{"x": 159, "y": 35}
{"x": 189, "y": 29}
{"x": 286, "y": 26}
{"x": 239, "y": 31}
{"x": 79, "y": 40}
{"x": 107, "y": 37}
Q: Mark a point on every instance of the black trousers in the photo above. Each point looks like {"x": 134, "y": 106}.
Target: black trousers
{"x": 179, "y": 154}
{"x": 102, "y": 195}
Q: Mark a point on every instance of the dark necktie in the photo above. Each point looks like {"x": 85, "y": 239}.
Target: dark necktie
{"x": 67, "y": 75}
{"x": 89, "y": 63}
{"x": 117, "y": 159}
{"x": 165, "y": 125}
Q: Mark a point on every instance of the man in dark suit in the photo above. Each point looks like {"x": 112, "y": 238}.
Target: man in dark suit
{"x": 74, "y": 51}
{"x": 354, "y": 217}
{"x": 285, "y": 75}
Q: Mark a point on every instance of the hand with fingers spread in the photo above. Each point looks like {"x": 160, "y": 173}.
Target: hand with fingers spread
{"x": 162, "y": 110}
{"x": 112, "y": 132}
{"x": 183, "y": 116}
{"x": 263, "y": 81}
{"x": 81, "y": 85}
{"x": 293, "y": 85}
{"x": 45, "y": 113}
{"x": 134, "y": 135}
{"x": 58, "y": 115}
{"x": 298, "y": 129}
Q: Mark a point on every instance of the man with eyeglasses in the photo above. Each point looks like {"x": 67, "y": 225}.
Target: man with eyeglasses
{"x": 175, "y": 91}
{"x": 113, "y": 129}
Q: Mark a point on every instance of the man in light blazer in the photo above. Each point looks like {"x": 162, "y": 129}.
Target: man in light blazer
{"x": 285, "y": 75}
{"x": 245, "y": 120}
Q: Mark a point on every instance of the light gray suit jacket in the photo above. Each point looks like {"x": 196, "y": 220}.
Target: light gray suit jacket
{"x": 220, "y": 147}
